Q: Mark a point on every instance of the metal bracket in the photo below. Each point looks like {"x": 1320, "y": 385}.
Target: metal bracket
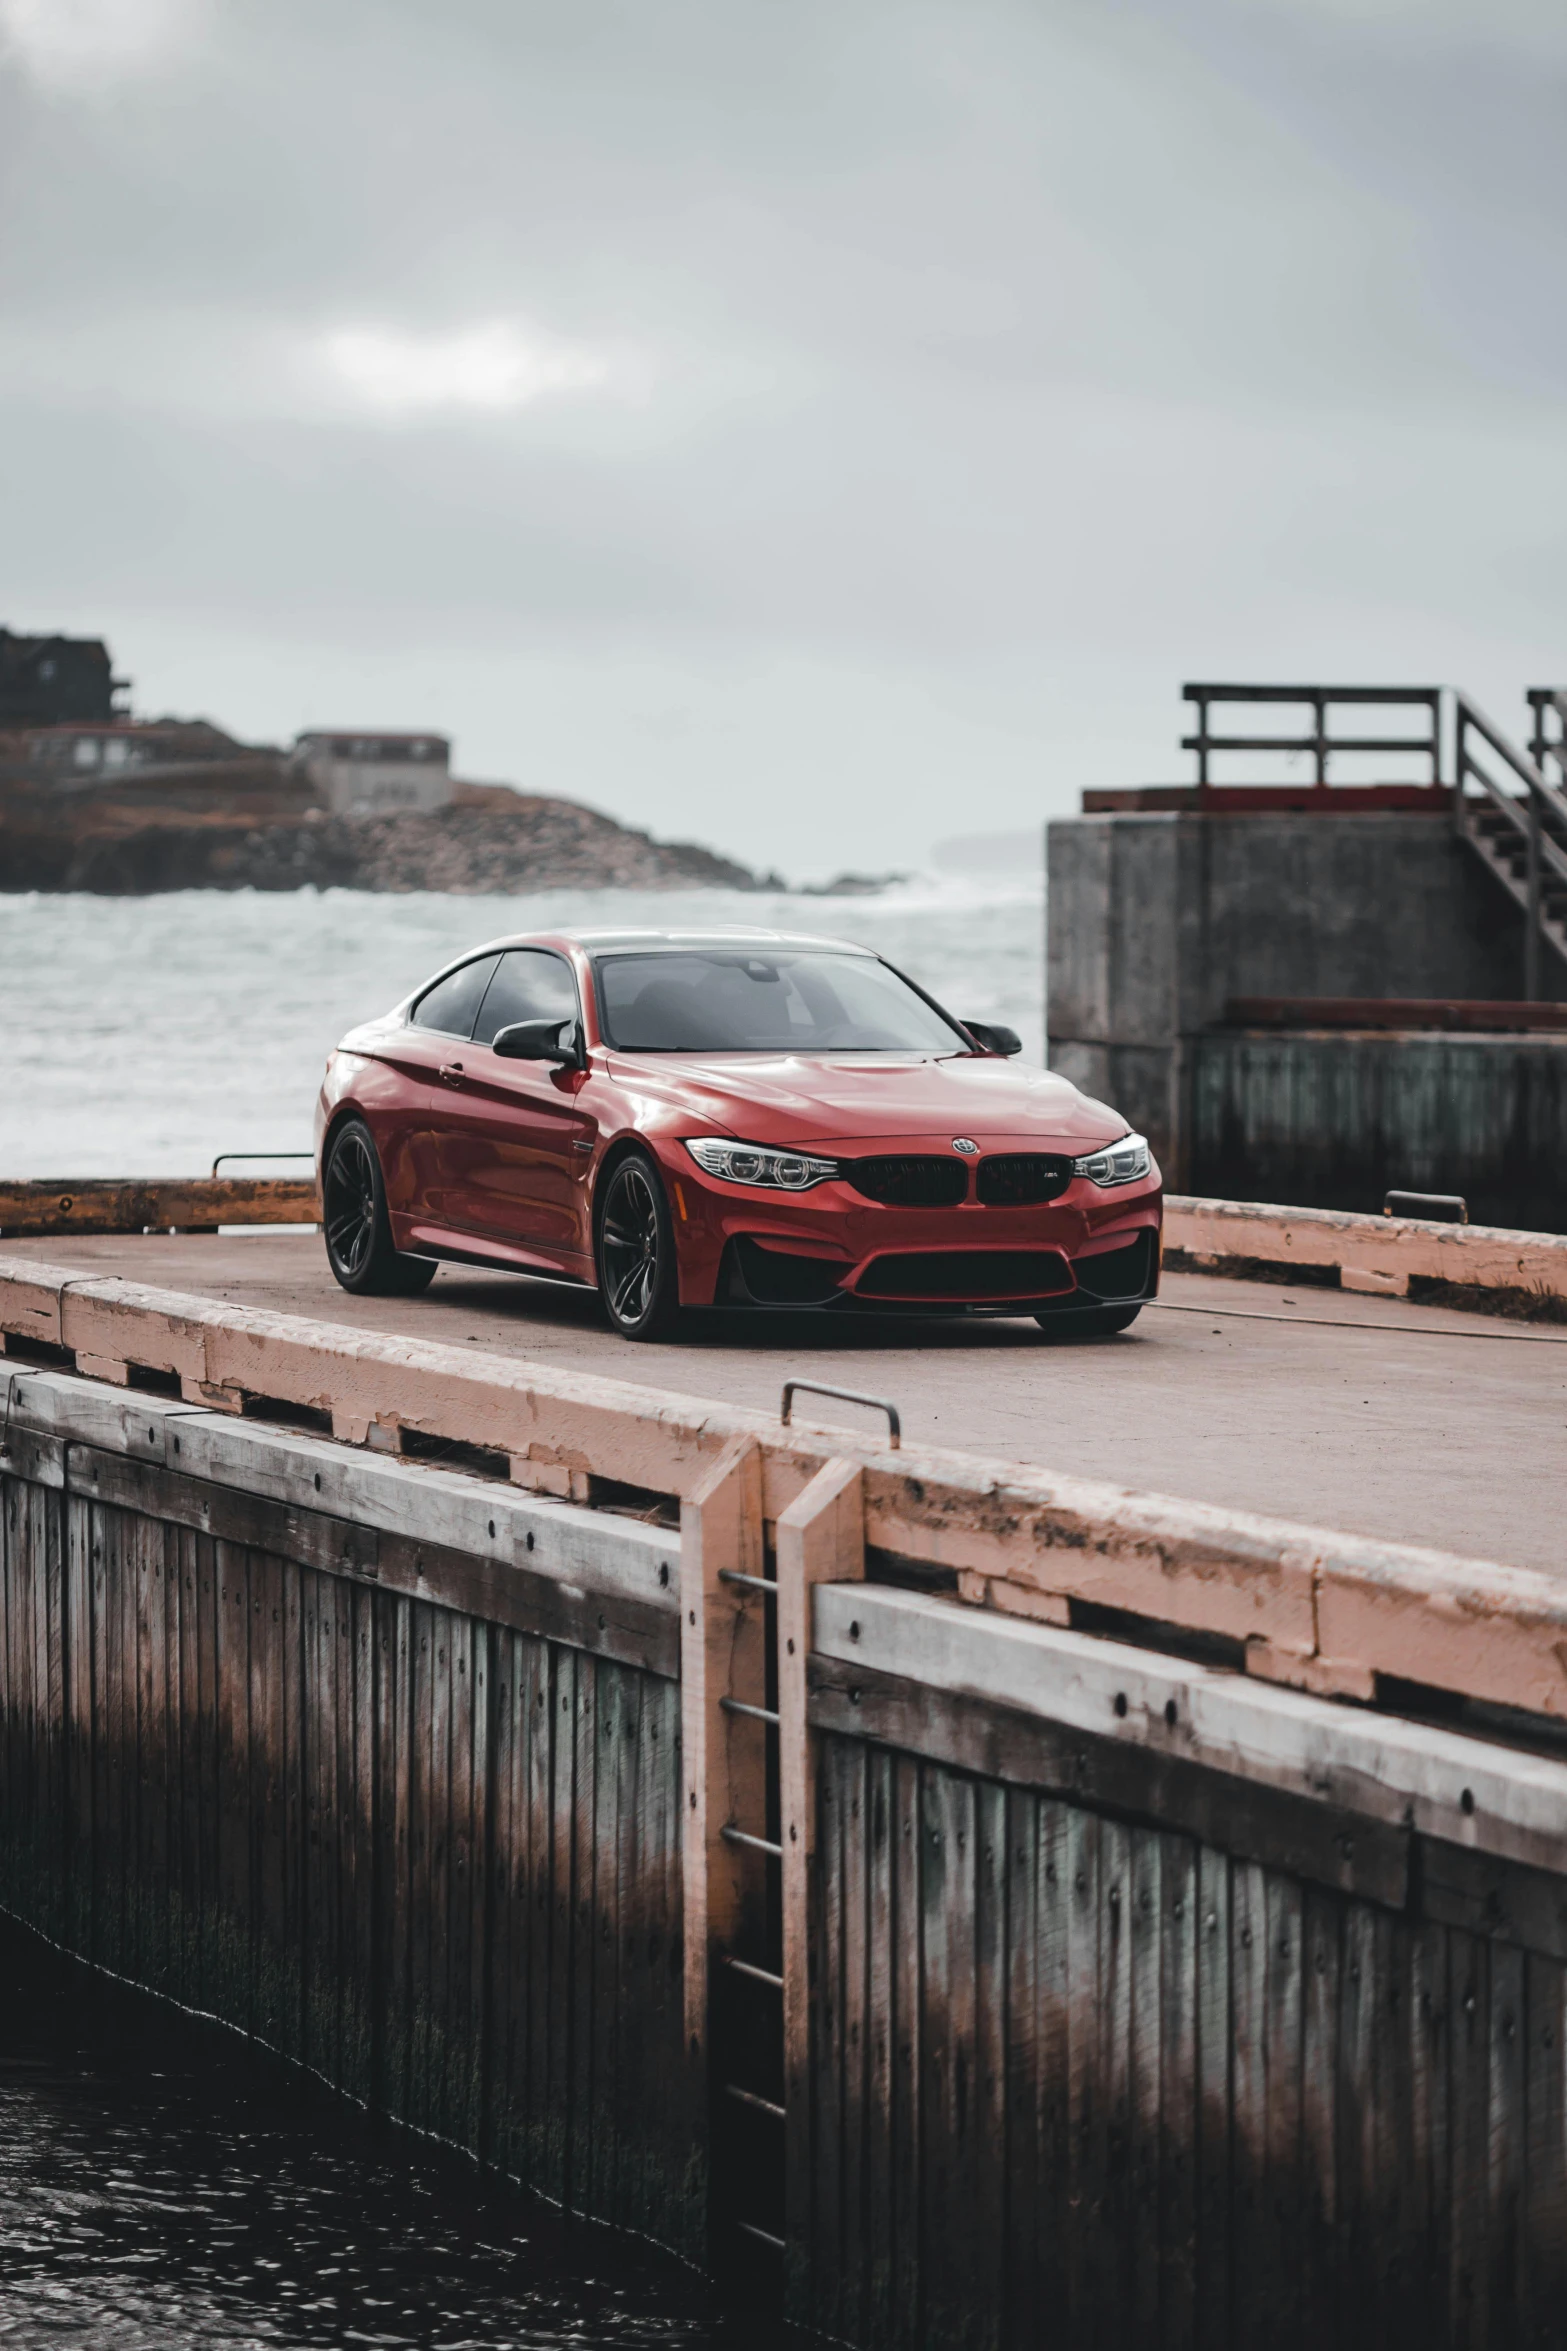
{"x": 843, "y": 1396}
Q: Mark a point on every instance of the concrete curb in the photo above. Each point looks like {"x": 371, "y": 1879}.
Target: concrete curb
{"x": 1381, "y": 1255}
{"x": 1318, "y": 1610}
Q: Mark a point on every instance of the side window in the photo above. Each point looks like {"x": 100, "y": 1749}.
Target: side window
{"x": 452, "y": 1004}
{"x": 531, "y": 984}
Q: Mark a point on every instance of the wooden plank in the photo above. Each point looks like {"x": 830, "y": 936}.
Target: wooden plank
{"x": 421, "y": 1838}
{"x": 356, "y": 1731}
{"x": 988, "y": 2082}
{"x": 584, "y": 1926}
{"x": 1089, "y": 2256}
{"x": 276, "y": 1960}
{"x": 1508, "y": 2136}
{"x": 541, "y": 1741}
{"x": 1469, "y": 2140}
{"x": 823, "y": 2287}
{"x": 908, "y": 2068}
{"x": 724, "y": 1637}
{"x": 1117, "y": 1847}
{"x": 184, "y": 1815}
{"x": 399, "y": 1799}
{"x": 294, "y": 1988}
{"x": 1215, "y": 2063}
{"x": 211, "y": 1792}
{"x": 562, "y": 1818}
{"x": 1321, "y": 1923}
{"x": 1395, "y": 1772}
{"x": 1023, "y": 2090}
{"x": 308, "y": 1537}
{"x": 1055, "y": 1900}
{"x": 440, "y": 1774}
{"x": 820, "y": 1539}
{"x": 53, "y": 1679}
{"x": 79, "y": 1703}
{"x": 1283, "y": 2027}
{"x": 1429, "y": 2037}
{"x": 464, "y": 2017}
{"x": 679, "y": 2180}
{"x": 96, "y": 1205}
{"x": 947, "y": 2033}
{"x": 614, "y": 1801}
{"x": 234, "y": 1932}
{"x": 1359, "y": 2253}
{"x": 1179, "y": 2123}
{"x": 1544, "y": 2218}
{"x": 505, "y": 2078}
{"x": 881, "y": 2025}
{"x": 855, "y": 2000}
{"x": 1143, "y": 1910}
{"x": 1301, "y": 1835}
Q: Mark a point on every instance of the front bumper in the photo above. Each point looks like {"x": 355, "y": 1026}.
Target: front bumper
{"x": 832, "y": 1249}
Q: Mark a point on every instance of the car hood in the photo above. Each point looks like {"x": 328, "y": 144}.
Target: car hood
{"x": 842, "y": 1098}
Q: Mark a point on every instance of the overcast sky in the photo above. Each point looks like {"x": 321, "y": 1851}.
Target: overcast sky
{"x": 813, "y": 426}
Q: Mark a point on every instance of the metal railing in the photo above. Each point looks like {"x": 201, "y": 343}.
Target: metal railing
{"x": 1319, "y": 743}
{"x": 1533, "y": 829}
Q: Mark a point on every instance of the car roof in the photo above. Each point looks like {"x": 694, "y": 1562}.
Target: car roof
{"x": 650, "y": 942}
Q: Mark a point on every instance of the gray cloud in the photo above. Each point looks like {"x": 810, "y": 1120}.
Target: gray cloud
{"x": 933, "y": 385}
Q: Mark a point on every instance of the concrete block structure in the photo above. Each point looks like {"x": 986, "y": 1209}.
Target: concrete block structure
{"x": 1157, "y": 922}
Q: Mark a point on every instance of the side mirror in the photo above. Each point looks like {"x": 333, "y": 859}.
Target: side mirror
{"x": 540, "y": 1040}
{"x": 994, "y": 1037}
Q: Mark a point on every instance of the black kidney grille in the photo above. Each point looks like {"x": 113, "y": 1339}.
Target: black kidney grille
{"x": 907, "y": 1181}
{"x": 1017, "y": 1179}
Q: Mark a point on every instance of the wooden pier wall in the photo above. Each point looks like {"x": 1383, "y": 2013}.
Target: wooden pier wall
{"x": 1085, "y": 1991}
{"x": 406, "y": 1813}
{"x": 1115, "y": 2048}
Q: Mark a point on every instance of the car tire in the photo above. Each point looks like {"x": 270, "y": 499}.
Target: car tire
{"x": 634, "y": 1251}
{"x": 355, "y": 1225}
{"x": 1101, "y": 1323}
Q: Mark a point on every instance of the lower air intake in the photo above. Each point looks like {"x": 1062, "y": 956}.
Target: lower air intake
{"x": 972, "y": 1274}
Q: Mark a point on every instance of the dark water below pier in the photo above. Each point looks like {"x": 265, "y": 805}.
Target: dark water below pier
{"x": 163, "y": 2185}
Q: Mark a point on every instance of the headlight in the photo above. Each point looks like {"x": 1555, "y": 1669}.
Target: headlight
{"x": 1117, "y": 1163}
{"x": 754, "y": 1163}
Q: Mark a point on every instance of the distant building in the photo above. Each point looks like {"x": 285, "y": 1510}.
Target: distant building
{"x": 373, "y": 775}
{"x": 85, "y": 752}
{"x": 50, "y": 681}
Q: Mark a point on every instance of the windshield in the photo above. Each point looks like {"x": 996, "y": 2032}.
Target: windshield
{"x": 724, "y": 1000}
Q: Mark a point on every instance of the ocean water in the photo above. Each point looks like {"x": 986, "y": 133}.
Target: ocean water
{"x": 165, "y": 2184}
{"x": 143, "y": 1036}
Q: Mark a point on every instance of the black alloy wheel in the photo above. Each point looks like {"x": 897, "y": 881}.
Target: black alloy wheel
{"x": 355, "y": 1224}
{"x": 1099, "y": 1323}
{"x": 638, "y": 1277}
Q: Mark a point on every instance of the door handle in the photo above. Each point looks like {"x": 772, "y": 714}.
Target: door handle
{"x": 451, "y": 1073}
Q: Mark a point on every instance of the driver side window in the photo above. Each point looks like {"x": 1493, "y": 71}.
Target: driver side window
{"x": 450, "y": 1006}
{"x": 530, "y": 984}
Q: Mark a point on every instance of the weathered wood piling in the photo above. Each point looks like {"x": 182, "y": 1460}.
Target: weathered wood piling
{"x": 974, "y": 1908}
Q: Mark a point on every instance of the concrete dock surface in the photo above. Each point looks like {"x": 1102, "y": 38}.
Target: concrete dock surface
{"x": 1408, "y": 1423}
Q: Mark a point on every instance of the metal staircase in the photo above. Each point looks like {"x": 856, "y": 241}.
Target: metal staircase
{"x": 1513, "y": 813}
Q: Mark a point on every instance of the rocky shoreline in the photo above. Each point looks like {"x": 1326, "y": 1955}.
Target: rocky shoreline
{"x": 490, "y": 840}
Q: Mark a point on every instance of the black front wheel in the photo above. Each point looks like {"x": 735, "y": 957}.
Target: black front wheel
{"x": 355, "y": 1224}
{"x": 1098, "y": 1323}
{"x": 638, "y": 1277}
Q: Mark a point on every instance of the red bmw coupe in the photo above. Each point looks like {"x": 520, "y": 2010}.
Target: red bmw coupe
{"x": 726, "y": 1119}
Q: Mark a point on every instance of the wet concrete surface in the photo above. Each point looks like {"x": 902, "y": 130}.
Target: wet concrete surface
{"x": 1414, "y": 1424}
